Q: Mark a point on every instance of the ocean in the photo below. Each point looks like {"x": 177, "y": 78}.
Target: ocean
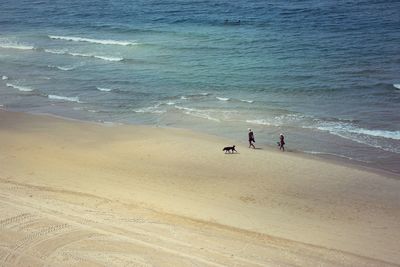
{"x": 324, "y": 73}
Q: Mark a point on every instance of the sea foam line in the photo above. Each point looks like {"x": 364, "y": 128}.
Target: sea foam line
{"x": 64, "y": 68}
{"x": 95, "y": 56}
{"x": 4, "y": 77}
{"x": 223, "y": 98}
{"x": 95, "y": 41}
{"x": 153, "y": 109}
{"x": 20, "y": 88}
{"x": 347, "y": 135}
{"x": 61, "y": 52}
{"x": 109, "y": 58}
{"x": 233, "y": 99}
{"x": 57, "y": 52}
{"x": 64, "y": 98}
{"x": 247, "y": 101}
{"x": 197, "y": 113}
{"x": 396, "y": 85}
{"x": 260, "y": 122}
{"x": 103, "y": 89}
{"x": 341, "y": 129}
{"x": 17, "y": 46}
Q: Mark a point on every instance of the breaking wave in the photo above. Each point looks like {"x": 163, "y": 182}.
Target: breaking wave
{"x": 20, "y": 88}
{"x": 94, "y": 41}
{"x": 205, "y": 114}
{"x": 342, "y": 128}
{"x": 64, "y": 68}
{"x": 103, "y": 89}
{"x": 16, "y": 46}
{"x": 62, "y": 52}
{"x": 64, "y": 98}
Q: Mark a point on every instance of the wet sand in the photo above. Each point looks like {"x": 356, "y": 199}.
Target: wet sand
{"x": 85, "y": 194}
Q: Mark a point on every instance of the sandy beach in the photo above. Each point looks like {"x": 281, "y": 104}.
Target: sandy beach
{"x": 85, "y": 194}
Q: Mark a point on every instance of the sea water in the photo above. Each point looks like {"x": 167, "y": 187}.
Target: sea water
{"x": 324, "y": 73}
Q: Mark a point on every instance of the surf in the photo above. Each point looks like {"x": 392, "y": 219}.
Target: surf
{"x": 94, "y": 41}
{"x": 62, "y": 52}
{"x": 64, "y": 98}
{"x": 20, "y": 88}
{"x": 17, "y": 46}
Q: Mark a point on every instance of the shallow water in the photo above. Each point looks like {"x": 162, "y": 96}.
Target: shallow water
{"x": 325, "y": 74}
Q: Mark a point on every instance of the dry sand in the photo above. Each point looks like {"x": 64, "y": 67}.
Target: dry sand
{"x": 83, "y": 194}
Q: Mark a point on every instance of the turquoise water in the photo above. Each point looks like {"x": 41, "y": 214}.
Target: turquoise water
{"x": 327, "y": 74}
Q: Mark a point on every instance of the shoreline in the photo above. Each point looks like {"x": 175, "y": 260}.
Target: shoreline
{"x": 53, "y": 169}
{"x": 328, "y": 157}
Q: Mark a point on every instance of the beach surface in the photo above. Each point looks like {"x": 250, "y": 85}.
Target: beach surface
{"x": 84, "y": 194}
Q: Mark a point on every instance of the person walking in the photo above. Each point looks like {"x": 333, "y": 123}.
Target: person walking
{"x": 281, "y": 142}
{"x": 251, "y": 139}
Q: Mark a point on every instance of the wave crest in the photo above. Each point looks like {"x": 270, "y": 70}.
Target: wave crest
{"x": 16, "y": 46}
{"x": 345, "y": 128}
{"x": 204, "y": 114}
{"x": 64, "y": 98}
{"x": 62, "y": 52}
{"x": 20, "y": 88}
{"x": 94, "y": 41}
{"x": 103, "y": 89}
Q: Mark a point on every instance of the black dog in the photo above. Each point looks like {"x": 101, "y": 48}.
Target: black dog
{"x": 230, "y": 149}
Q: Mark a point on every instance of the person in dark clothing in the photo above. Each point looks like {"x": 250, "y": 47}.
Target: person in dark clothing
{"x": 251, "y": 139}
{"x": 281, "y": 142}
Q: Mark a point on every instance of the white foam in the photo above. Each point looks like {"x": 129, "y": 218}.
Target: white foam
{"x": 247, "y": 101}
{"x": 95, "y": 56}
{"x": 20, "y": 88}
{"x": 4, "y": 77}
{"x": 183, "y": 98}
{"x": 344, "y": 128}
{"x": 109, "y": 58}
{"x": 378, "y": 133}
{"x": 63, "y": 52}
{"x": 79, "y": 54}
{"x": 260, "y": 122}
{"x": 95, "y": 41}
{"x": 103, "y": 89}
{"x": 16, "y": 46}
{"x": 64, "y": 98}
{"x": 57, "y": 52}
{"x": 397, "y": 85}
{"x": 170, "y": 103}
{"x": 223, "y": 98}
{"x": 65, "y": 68}
{"x": 153, "y": 110}
{"x": 197, "y": 113}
